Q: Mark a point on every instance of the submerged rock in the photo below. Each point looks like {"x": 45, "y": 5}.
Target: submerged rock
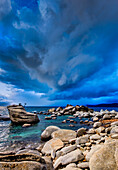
{"x": 18, "y": 115}
{"x": 5, "y": 118}
{"x": 48, "y": 117}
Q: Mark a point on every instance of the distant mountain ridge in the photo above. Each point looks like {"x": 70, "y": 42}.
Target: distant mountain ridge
{"x": 104, "y": 105}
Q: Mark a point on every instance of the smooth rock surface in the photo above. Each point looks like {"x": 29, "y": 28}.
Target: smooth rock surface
{"x": 66, "y": 150}
{"x": 93, "y": 149}
{"x": 83, "y": 165}
{"x": 82, "y": 139}
{"x": 97, "y": 124}
{"x": 114, "y": 130}
{"x": 81, "y": 132}
{"x": 53, "y": 144}
{"x": 46, "y": 134}
{"x": 71, "y": 166}
{"x": 106, "y": 158}
{"x": 100, "y": 129}
{"x": 26, "y": 125}
{"x": 71, "y": 157}
{"x": 95, "y": 137}
{"x": 114, "y": 123}
{"x": 91, "y": 131}
{"x": 106, "y": 116}
{"x": 64, "y": 135}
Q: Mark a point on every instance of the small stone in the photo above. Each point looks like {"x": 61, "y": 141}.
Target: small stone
{"x": 72, "y": 141}
{"x": 95, "y": 137}
{"x": 88, "y": 144}
{"x": 53, "y": 154}
{"x": 95, "y": 119}
{"x": 48, "y": 117}
{"x": 114, "y": 130}
{"x": 26, "y": 125}
{"x": 51, "y": 110}
{"x": 97, "y": 124}
{"x": 81, "y": 131}
{"x": 115, "y": 136}
{"x": 83, "y": 165}
{"x": 106, "y": 116}
{"x": 64, "y": 121}
{"x": 91, "y": 131}
{"x": 100, "y": 129}
{"x": 107, "y": 130}
{"x": 103, "y": 134}
{"x": 82, "y": 140}
{"x": 114, "y": 123}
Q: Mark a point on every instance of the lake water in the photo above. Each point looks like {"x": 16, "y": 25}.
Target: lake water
{"x": 10, "y": 133}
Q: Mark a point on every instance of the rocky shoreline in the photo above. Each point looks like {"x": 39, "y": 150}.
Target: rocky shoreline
{"x": 95, "y": 148}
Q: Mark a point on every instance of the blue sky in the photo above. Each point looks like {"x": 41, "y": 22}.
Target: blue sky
{"x": 54, "y": 52}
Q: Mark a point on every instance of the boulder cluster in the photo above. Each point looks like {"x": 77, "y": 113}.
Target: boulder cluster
{"x": 95, "y": 148}
{"x": 68, "y": 110}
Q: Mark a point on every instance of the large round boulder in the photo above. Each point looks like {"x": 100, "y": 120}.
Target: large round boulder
{"x": 106, "y": 157}
{"x": 46, "y": 134}
{"x": 53, "y": 144}
{"x": 64, "y": 135}
{"x": 18, "y": 115}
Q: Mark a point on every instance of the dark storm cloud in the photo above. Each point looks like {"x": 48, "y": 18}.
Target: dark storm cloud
{"x": 66, "y": 44}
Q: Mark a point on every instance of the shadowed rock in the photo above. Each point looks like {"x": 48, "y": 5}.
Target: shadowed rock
{"x": 18, "y": 115}
{"x": 29, "y": 165}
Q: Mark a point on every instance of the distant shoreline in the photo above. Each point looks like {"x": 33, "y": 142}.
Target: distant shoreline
{"x": 104, "y": 105}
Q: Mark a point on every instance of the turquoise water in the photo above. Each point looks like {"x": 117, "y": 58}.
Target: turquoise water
{"x": 10, "y": 133}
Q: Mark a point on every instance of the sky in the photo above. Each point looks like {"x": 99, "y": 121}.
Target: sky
{"x": 54, "y": 52}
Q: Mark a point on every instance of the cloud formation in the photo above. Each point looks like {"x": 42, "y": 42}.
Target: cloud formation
{"x": 5, "y": 8}
{"x": 69, "y": 46}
